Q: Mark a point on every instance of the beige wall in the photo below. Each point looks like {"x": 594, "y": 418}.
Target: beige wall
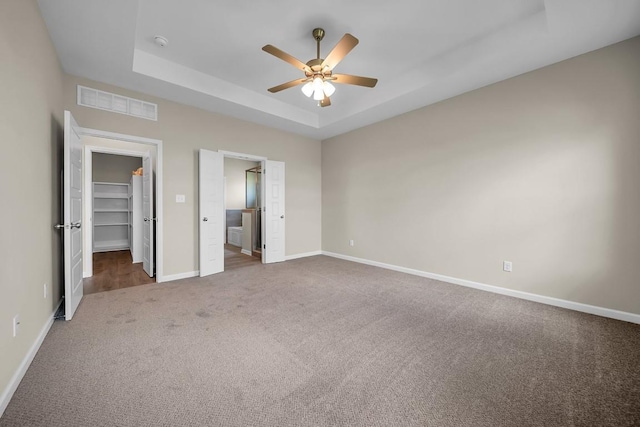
{"x": 30, "y": 139}
{"x": 541, "y": 170}
{"x": 184, "y": 130}
{"x": 113, "y": 167}
{"x": 234, "y": 173}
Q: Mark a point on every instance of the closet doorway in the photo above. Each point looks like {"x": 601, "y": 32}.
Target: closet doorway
{"x": 119, "y": 212}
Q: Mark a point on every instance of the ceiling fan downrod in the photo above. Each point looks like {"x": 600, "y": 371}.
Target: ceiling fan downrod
{"x": 318, "y": 34}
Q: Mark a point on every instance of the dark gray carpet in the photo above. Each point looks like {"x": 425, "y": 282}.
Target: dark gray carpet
{"x": 325, "y": 342}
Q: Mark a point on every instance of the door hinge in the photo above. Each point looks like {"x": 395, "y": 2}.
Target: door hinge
{"x": 264, "y": 246}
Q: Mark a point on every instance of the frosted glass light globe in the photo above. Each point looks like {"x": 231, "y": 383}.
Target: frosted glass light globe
{"x": 307, "y": 89}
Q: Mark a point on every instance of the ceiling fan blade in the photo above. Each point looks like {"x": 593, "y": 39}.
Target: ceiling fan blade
{"x": 354, "y": 80}
{"x": 344, "y": 46}
{"x": 287, "y": 85}
{"x": 286, "y": 57}
{"x": 325, "y": 102}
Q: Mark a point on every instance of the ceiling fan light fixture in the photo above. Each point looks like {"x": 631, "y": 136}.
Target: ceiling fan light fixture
{"x": 318, "y": 72}
{"x": 317, "y": 83}
{"x": 307, "y": 89}
{"x": 328, "y": 88}
{"x": 318, "y": 92}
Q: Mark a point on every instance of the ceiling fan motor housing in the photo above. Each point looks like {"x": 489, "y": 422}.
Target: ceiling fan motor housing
{"x": 318, "y": 34}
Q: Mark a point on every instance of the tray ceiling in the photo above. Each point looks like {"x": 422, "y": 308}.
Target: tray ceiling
{"x": 421, "y": 51}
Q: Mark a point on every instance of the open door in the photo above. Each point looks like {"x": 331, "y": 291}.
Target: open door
{"x": 211, "y": 201}
{"x": 147, "y": 214}
{"x": 273, "y": 212}
{"x": 72, "y": 205}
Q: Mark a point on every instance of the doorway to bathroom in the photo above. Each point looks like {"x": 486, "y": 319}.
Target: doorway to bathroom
{"x": 243, "y": 219}
{"x": 270, "y": 200}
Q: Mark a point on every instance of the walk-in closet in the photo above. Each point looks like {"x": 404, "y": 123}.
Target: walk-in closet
{"x": 117, "y": 222}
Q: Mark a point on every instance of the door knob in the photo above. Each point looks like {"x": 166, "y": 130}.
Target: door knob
{"x": 205, "y": 219}
{"x": 72, "y": 226}
{"x": 281, "y": 216}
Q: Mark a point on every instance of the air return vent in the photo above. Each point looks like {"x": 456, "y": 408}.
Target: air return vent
{"x": 118, "y": 104}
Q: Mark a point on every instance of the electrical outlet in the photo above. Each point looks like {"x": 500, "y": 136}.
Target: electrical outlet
{"x": 45, "y": 291}
{"x": 351, "y": 243}
{"x": 16, "y": 323}
{"x": 180, "y": 198}
{"x": 507, "y": 266}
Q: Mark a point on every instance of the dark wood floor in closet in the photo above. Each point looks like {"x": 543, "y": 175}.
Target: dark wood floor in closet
{"x": 114, "y": 270}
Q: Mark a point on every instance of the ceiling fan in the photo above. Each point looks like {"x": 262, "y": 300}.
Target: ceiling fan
{"x": 319, "y": 72}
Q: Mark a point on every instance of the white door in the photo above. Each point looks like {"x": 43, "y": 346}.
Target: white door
{"x": 147, "y": 213}
{"x": 211, "y": 195}
{"x": 273, "y": 212}
{"x": 72, "y": 181}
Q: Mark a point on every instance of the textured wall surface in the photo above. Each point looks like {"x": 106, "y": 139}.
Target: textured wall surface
{"x": 234, "y": 173}
{"x": 113, "y": 167}
{"x": 541, "y": 170}
{"x": 31, "y": 119}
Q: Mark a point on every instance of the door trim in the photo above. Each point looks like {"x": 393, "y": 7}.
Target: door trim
{"x": 157, "y": 143}
{"x": 241, "y": 156}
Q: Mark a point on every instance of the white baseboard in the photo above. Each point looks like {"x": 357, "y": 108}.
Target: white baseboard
{"x": 11, "y": 388}
{"x": 557, "y": 302}
{"x": 302, "y": 255}
{"x": 185, "y": 275}
{"x": 246, "y": 252}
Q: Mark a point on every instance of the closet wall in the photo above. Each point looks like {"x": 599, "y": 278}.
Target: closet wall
{"x": 113, "y": 167}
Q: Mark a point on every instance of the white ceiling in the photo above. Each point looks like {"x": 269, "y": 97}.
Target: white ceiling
{"x": 422, "y": 51}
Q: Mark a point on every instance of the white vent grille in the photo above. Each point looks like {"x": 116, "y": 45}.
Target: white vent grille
{"x": 118, "y": 104}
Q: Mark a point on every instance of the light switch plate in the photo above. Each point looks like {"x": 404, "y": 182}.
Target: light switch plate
{"x": 180, "y": 198}
{"x": 16, "y": 324}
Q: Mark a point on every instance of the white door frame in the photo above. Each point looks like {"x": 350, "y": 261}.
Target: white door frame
{"x": 148, "y": 215}
{"x": 88, "y": 167}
